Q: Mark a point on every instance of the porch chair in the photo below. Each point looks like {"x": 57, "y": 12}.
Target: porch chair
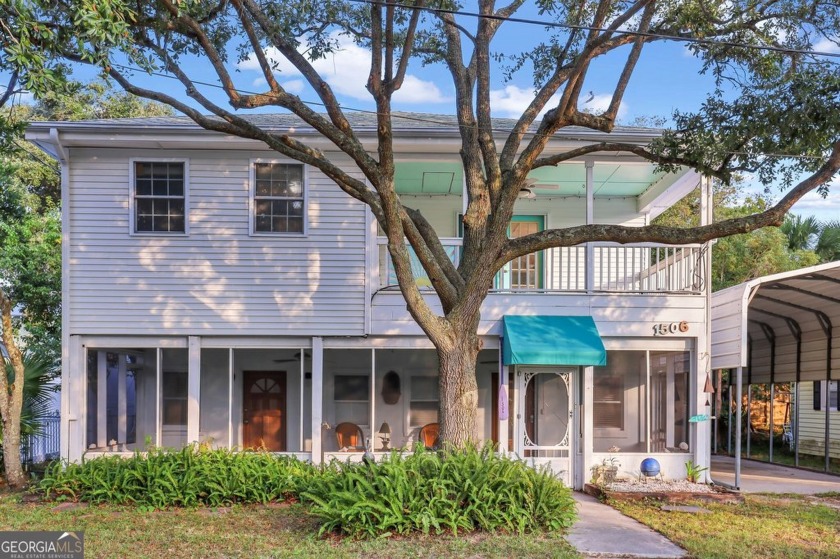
{"x": 787, "y": 435}
{"x": 349, "y": 437}
{"x": 429, "y": 435}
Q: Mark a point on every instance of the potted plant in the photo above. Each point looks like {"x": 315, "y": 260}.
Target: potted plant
{"x": 605, "y": 472}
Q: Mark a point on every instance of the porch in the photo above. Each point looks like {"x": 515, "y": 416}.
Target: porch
{"x": 320, "y": 403}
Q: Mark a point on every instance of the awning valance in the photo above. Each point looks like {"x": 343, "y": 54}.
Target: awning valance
{"x": 552, "y": 340}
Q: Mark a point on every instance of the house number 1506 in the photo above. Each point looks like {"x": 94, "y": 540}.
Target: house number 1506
{"x": 665, "y": 328}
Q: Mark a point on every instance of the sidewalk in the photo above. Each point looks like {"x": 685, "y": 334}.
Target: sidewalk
{"x": 602, "y": 531}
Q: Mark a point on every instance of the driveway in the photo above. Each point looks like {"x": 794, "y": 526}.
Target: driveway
{"x": 761, "y": 477}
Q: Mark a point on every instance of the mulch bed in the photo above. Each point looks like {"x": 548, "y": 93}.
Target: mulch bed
{"x": 719, "y": 495}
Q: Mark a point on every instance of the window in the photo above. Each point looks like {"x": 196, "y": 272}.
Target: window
{"x": 174, "y": 398}
{"x": 819, "y": 398}
{"x": 351, "y": 388}
{"x": 351, "y": 394}
{"x": 423, "y": 406}
{"x": 608, "y": 400}
{"x": 279, "y": 202}
{"x": 159, "y": 197}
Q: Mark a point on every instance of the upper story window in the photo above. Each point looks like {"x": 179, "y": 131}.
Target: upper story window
{"x": 159, "y": 197}
{"x": 279, "y": 201}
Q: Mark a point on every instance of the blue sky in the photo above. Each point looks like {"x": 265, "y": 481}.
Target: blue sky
{"x": 666, "y": 78}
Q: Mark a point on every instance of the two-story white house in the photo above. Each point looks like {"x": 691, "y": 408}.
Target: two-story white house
{"x": 216, "y": 292}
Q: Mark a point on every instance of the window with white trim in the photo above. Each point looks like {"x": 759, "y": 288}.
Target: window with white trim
{"x": 424, "y": 401}
{"x": 159, "y": 197}
{"x": 279, "y": 204}
{"x": 820, "y": 395}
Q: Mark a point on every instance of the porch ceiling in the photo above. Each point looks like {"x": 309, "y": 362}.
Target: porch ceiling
{"x": 566, "y": 179}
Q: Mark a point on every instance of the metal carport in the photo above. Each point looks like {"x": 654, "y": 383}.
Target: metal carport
{"x": 778, "y": 329}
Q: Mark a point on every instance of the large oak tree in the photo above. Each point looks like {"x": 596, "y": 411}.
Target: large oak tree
{"x": 773, "y": 98}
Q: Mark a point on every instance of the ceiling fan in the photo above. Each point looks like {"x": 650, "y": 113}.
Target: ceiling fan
{"x": 527, "y": 190}
{"x": 295, "y": 358}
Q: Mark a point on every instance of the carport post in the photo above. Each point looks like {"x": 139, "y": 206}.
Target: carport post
{"x": 738, "y": 397}
{"x": 729, "y": 422}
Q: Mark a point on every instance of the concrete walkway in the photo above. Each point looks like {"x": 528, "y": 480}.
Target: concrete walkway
{"x": 602, "y": 531}
{"x": 761, "y": 477}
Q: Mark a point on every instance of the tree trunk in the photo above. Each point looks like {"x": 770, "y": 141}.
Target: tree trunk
{"x": 11, "y": 398}
{"x": 458, "y": 390}
{"x": 15, "y": 476}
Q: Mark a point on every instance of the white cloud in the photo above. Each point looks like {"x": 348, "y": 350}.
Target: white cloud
{"x": 601, "y": 102}
{"x": 346, "y": 70}
{"x": 828, "y": 45}
{"x": 294, "y": 86}
{"x": 512, "y": 100}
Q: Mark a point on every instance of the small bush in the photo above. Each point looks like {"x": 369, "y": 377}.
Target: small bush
{"x": 189, "y": 477}
{"x": 436, "y": 492}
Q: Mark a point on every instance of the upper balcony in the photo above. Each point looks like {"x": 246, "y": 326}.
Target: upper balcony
{"x": 592, "y": 268}
{"x": 615, "y": 190}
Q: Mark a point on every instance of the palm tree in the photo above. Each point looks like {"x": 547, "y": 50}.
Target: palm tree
{"x": 828, "y": 241}
{"x": 800, "y": 232}
{"x": 37, "y": 394}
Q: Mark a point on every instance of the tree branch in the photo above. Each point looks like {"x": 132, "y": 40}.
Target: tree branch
{"x": 773, "y": 216}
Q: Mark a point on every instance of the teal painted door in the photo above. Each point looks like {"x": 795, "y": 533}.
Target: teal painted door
{"x": 524, "y": 272}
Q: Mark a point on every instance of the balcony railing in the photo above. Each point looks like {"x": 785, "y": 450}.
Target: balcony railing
{"x": 637, "y": 268}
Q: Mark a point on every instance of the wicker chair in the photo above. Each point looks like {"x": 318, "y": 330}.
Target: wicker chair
{"x": 349, "y": 437}
{"x": 429, "y": 435}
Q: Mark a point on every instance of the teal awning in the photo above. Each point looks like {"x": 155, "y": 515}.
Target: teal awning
{"x": 552, "y": 340}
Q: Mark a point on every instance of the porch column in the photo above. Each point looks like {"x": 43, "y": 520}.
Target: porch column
{"x": 122, "y": 409}
{"x": 230, "y": 398}
{"x": 738, "y": 399}
{"x": 193, "y": 389}
{"x": 317, "y": 398}
{"x": 503, "y": 428}
{"x": 590, "y": 219}
{"x": 588, "y": 422}
{"x": 158, "y": 396}
{"x": 74, "y": 389}
{"x": 101, "y": 399}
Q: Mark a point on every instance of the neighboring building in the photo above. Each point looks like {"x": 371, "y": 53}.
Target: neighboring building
{"x": 242, "y": 299}
{"x": 782, "y": 329}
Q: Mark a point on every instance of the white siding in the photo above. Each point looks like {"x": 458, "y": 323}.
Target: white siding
{"x": 615, "y": 315}
{"x": 727, "y": 322}
{"x": 217, "y": 280}
{"x": 812, "y": 424}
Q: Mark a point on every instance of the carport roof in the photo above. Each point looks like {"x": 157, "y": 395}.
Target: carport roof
{"x": 778, "y": 325}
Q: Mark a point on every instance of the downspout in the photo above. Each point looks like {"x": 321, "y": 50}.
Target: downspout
{"x": 64, "y": 169}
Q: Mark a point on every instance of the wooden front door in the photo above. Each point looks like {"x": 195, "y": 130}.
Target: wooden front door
{"x": 264, "y": 410}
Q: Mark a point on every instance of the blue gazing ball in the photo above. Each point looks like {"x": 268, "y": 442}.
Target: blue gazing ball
{"x": 650, "y": 467}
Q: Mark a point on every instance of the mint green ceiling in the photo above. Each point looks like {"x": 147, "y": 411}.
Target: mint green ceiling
{"x": 568, "y": 179}
{"x": 429, "y": 178}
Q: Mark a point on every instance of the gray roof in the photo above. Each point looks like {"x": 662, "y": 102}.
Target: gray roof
{"x": 361, "y": 121}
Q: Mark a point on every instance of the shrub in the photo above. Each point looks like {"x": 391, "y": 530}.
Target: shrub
{"x": 435, "y": 492}
{"x": 189, "y": 477}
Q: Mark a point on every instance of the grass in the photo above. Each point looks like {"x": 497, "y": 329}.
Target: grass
{"x": 765, "y": 526}
{"x": 250, "y": 531}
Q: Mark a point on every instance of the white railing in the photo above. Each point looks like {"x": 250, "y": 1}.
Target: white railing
{"x": 637, "y": 268}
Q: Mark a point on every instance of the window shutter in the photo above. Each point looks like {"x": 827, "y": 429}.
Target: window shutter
{"x": 817, "y": 395}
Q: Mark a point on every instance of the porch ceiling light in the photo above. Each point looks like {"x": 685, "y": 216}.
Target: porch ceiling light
{"x": 526, "y": 193}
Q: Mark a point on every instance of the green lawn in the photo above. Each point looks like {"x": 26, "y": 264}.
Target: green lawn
{"x": 765, "y": 526}
{"x": 250, "y": 531}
